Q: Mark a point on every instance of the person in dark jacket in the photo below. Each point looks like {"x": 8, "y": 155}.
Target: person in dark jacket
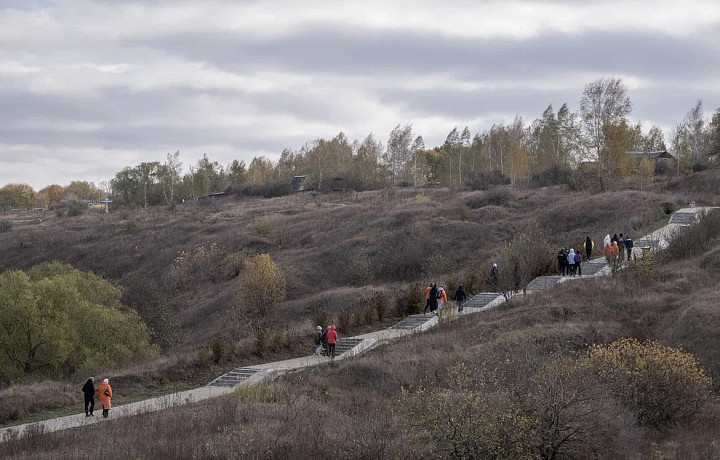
{"x": 318, "y": 340}
{"x": 629, "y": 246}
{"x": 562, "y": 261}
{"x": 621, "y": 246}
{"x": 427, "y": 297}
{"x": 324, "y": 341}
{"x": 433, "y": 299}
{"x": 460, "y": 298}
{"x": 588, "y": 247}
{"x": 89, "y": 391}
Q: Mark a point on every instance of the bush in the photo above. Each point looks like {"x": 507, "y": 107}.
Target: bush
{"x": 262, "y": 284}
{"x": 320, "y": 316}
{"x": 218, "y": 350}
{"x": 663, "y": 386}
{"x": 463, "y": 212}
{"x": 483, "y": 180}
{"x": 411, "y": 301}
{"x": 75, "y": 209}
{"x": 346, "y": 320}
{"x": 5, "y": 226}
{"x": 266, "y": 228}
{"x": 554, "y": 175}
{"x": 232, "y": 265}
{"x": 131, "y": 227}
{"x": 200, "y": 265}
{"x": 380, "y": 304}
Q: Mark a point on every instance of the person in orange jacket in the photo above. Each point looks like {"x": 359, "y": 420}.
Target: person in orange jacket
{"x": 105, "y": 392}
{"x": 332, "y": 338}
{"x": 427, "y": 297}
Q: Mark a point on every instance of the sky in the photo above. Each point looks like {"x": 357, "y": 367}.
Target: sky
{"x": 88, "y": 87}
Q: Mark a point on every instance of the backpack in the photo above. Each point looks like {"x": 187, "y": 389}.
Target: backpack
{"x": 323, "y": 336}
{"x": 439, "y": 294}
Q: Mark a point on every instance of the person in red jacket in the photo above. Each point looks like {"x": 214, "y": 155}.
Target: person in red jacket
{"x": 332, "y": 340}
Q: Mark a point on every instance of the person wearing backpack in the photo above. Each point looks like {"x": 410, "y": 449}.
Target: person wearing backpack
{"x": 332, "y": 338}
{"x": 441, "y": 297}
{"x": 589, "y": 245}
{"x": 562, "y": 261}
{"x": 629, "y": 246}
{"x": 433, "y": 299}
{"x": 460, "y": 298}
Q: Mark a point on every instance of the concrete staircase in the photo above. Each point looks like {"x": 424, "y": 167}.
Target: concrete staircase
{"x": 481, "y": 300}
{"x": 683, "y": 218}
{"x": 234, "y": 377}
{"x": 413, "y": 322}
{"x": 592, "y": 267}
{"x": 542, "y": 283}
{"x": 344, "y": 345}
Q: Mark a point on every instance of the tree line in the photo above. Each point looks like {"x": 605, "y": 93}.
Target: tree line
{"x": 596, "y": 140}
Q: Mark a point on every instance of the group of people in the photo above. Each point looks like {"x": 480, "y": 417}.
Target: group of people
{"x": 104, "y": 392}
{"x": 436, "y": 297}
{"x": 618, "y": 247}
{"x": 569, "y": 262}
{"x": 325, "y": 340}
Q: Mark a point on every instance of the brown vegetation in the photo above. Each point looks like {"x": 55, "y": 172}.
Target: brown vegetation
{"x": 335, "y": 251}
{"x": 509, "y": 383}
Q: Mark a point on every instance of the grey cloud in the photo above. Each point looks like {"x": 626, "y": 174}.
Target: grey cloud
{"x": 324, "y": 48}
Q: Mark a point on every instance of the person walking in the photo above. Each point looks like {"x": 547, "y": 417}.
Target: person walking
{"x": 433, "y": 299}
{"x": 578, "y": 262}
{"x": 318, "y": 340}
{"x": 621, "y": 247}
{"x": 324, "y": 341}
{"x": 589, "y": 245}
{"x": 105, "y": 392}
{"x": 494, "y": 277}
{"x": 562, "y": 261}
{"x": 427, "y": 297}
{"x": 460, "y": 298}
{"x": 606, "y": 240}
{"x": 571, "y": 262}
{"x": 629, "y": 246}
{"x": 332, "y": 338}
{"x": 89, "y": 391}
{"x": 441, "y": 297}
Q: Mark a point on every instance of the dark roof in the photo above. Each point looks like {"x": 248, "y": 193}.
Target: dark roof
{"x": 657, "y": 155}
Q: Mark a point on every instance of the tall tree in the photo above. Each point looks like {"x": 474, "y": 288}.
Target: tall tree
{"x": 169, "y": 174}
{"x": 604, "y": 103}
{"x": 398, "y": 153}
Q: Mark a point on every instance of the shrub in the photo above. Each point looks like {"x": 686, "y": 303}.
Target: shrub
{"x": 483, "y": 180}
{"x": 346, "y": 320}
{"x": 218, "y": 350}
{"x": 380, "y": 304}
{"x": 360, "y": 268}
{"x": 422, "y": 198}
{"x": 463, "y": 212}
{"x": 369, "y": 313}
{"x": 436, "y": 264}
{"x": 262, "y": 284}
{"x": 410, "y": 301}
{"x": 75, "y": 209}
{"x": 320, "y": 316}
{"x": 474, "y": 281}
{"x": 232, "y": 265}
{"x": 199, "y": 265}
{"x": 266, "y": 227}
{"x": 554, "y": 175}
{"x": 663, "y": 386}
{"x": 5, "y": 226}
{"x": 131, "y": 227}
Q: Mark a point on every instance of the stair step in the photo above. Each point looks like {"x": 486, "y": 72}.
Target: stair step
{"x": 234, "y": 377}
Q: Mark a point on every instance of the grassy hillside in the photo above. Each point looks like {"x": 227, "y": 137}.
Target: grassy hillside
{"x": 336, "y": 250}
{"x": 503, "y": 379}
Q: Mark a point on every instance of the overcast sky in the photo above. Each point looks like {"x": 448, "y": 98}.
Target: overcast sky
{"x": 89, "y": 87}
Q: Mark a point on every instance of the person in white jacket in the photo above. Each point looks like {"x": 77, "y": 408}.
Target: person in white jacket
{"x": 571, "y": 261}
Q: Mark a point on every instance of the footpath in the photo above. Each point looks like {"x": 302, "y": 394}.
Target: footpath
{"x": 346, "y": 347}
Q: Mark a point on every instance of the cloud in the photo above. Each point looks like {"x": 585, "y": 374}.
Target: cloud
{"x": 99, "y": 85}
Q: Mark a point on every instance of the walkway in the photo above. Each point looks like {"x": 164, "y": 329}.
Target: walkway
{"x": 346, "y": 348}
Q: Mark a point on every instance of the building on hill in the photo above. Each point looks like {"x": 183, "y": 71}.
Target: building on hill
{"x": 298, "y": 184}
{"x": 660, "y": 158}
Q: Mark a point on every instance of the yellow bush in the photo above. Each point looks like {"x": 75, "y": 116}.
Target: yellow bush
{"x": 661, "y": 385}
{"x": 262, "y": 284}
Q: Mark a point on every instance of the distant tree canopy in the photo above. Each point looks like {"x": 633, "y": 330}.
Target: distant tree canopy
{"x": 58, "y": 321}
{"x": 544, "y": 151}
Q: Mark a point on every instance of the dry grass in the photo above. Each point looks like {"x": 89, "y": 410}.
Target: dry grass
{"x": 388, "y": 235}
{"x": 355, "y": 408}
